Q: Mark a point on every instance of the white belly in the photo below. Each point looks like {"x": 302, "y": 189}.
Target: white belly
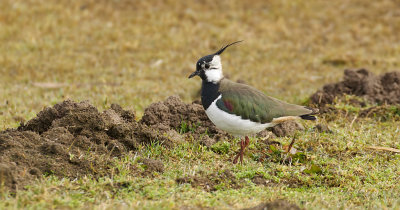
{"x": 233, "y": 124}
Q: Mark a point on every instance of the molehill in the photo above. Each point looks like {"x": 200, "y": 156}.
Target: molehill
{"x": 381, "y": 89}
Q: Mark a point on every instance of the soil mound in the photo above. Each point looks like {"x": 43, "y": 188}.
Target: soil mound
{"x": 379, "y": 89}
{"x": 69, "y": 140}
{"x": 72, "y": 140}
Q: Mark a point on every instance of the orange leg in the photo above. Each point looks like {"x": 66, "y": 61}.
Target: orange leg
{"x": 243, "y": 145}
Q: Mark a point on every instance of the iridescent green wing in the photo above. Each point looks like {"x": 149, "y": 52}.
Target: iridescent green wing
{"x": 249, "y": 103}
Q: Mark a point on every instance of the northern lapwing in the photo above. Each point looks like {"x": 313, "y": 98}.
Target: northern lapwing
{"x": 240, "y": 109}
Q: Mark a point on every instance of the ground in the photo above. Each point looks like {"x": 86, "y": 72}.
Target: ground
{"x": 135, "y": 53}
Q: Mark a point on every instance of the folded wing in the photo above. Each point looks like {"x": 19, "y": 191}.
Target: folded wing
{"x": 249, "y": 103}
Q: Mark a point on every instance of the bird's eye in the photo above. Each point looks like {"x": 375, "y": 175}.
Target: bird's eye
{"x": 207, "y": 65}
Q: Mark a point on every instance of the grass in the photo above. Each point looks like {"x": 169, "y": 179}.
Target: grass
{"x": 350, "y": 176}
{"x": 137, "y": 52}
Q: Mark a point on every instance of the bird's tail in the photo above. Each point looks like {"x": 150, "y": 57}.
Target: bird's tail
{"x": 310, "y": 116}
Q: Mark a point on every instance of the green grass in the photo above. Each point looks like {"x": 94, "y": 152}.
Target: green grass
{"x": 350, "y": 176}
{"x": 137, "y": 52}
{"x": 347, "y": 176}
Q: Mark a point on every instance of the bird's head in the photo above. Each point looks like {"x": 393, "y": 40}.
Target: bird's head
{"x": 209, "y": 67}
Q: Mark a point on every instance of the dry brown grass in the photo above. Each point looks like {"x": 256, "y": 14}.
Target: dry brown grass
{"x": 137, "y": 52}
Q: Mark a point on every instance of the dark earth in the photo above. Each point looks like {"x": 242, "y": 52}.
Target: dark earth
{"x": 275, "y": 205}
{"x": 213, "y": 181}
{"x": 377, "y": 96}
{"x": 378, "y": 89}
{"x": 74, "y": 139}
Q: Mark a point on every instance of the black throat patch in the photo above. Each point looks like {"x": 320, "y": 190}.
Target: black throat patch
{"x": 209, "y": 92}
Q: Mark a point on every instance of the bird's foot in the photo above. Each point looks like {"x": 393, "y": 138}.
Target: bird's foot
{"x": 243, "y": 145}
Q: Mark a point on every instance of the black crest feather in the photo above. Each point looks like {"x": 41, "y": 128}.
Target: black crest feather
{"x": 223, "y": 49}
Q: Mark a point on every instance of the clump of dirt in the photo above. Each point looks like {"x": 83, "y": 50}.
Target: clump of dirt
{"x": 266, "y": 135}
{"x": 277, "y": 204}
{"x": 151, "y": 166}
{"x": 322, "y": 128}
{"x": 287, "y": 128}
{"x": 261, "y": 181}
{"x": 174, "y": 114}
{"x": 382, "y": 89}
{"x": 213, "y": 181}
{"x": 72, "y": 140}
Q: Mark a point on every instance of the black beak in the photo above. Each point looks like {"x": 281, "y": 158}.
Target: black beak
{"x": 194, "y": 74}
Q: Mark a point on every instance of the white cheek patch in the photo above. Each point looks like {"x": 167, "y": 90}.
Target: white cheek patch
{"x": 214, "y": 75}
{"x": 216, "y": 62}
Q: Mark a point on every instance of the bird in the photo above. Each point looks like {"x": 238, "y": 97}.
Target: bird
{"x": 239, "y": 109}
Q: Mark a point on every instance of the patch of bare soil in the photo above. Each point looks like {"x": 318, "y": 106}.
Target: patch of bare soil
{"x": 151, "y": 166}
{"x": 213, "y": 181}
{"x": 381, "y": 89}
{"x": 72, "y": 140}
{"x": 277, "y": 204}
{"x": 261, "y": 181}
{"x": 322, "y": 128}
